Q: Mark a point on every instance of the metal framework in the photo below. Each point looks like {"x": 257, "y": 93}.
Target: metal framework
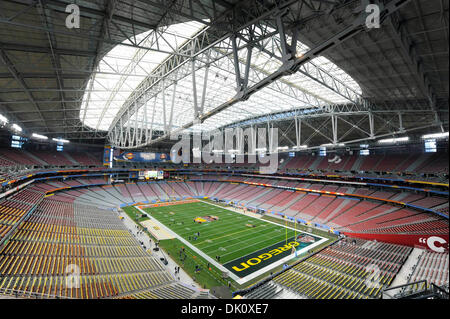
{"x": 273, "y": 53}
{"x": 287, "y": 59}
{"x": 306, "y": 129}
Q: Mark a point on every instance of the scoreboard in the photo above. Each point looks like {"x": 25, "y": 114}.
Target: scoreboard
{"x": 151, "y": 175}
{"x": 17, "y": 141}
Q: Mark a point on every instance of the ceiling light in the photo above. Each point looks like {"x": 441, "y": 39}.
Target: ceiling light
{"x": 3, "y": 119}
{"x": 42, "y": 137}
{"x": 60, "y": 140}
{"x": 332, "y": 145}
{"x": 436, "y": 135}
{"x": 394, "y": 140}
{"x": 16, "y": 127}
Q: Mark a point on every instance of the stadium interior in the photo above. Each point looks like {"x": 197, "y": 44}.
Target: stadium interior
{"x": 257, "y": 149}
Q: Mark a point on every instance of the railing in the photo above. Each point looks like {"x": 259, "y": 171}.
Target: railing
{"x": 268, "y": 279}
{"x": 28, "y": 294}
{"x": 19, "y": 222}
{"x": 419, "y": 290}
{"x": 402, "y": 291}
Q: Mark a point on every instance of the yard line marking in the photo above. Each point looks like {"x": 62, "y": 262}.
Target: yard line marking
{"x": 215, "y": 238}
{"x": 269, "y": 240}
{"x": 241, "y": 236}
{"x": 214, "y": 228}
{"x": 265, "y": 230}
{"x": 250, "y": 239}
{"x": 222, "y": 226}
{"x": 266, "y": 221}
{"x": 198, "y": 251}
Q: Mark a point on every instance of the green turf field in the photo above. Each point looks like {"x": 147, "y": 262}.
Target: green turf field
{"x": 244, "y": 244}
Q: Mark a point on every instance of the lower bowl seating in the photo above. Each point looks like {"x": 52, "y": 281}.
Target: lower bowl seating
{"x": 67, "y": 250}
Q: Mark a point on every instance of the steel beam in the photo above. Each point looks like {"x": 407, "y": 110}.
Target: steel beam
{"x": 293, "y": 65}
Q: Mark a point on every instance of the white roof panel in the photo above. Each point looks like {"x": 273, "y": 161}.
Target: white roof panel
{"x": 132, "y": 65}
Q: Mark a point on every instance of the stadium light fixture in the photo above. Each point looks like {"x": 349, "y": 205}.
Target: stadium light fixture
{"x": 394, "y": 140}
{"x": 435, "y": 135}
{"x": 16, "y": 127}
{"x": 300, "y": 147}
{"x": 281, "y": 148}
{"x": 332, "y": 145}
{"x": 39, "y": 136}
{"x": 3, "y": 119}
{"x": 61, "y": 140}
{"x": 217, "y": 151}
{"x": 262, "y": 149}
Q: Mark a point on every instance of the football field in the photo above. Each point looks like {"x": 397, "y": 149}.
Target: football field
{"x": 244, "y": 244}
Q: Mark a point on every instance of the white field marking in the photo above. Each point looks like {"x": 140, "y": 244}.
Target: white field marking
{"x": 209, "y": 232}
{"x": 267, "y": 221}
{"x": 278, "y": 230}
{"x": 256, "y": 243}
{"x": 230, "y": 224}
{"x": 277, "y": 263}
{"x": 225, "y": 226}
{"x": 256, "y": 232}
{"x": 237, "y": 237}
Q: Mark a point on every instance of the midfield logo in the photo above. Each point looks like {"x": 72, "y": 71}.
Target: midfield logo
{"x": 205, "y": 219}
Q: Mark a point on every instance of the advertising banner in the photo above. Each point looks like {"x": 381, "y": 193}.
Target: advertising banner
{"x": 141, "y": 157}
{"x": 436, "y": 243}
